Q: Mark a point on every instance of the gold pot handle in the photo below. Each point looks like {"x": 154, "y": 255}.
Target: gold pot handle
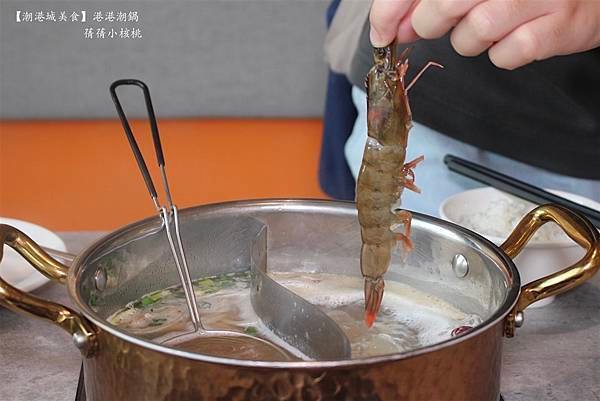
{"x": 579, "y": 229}
{"x": 80, "y": 329}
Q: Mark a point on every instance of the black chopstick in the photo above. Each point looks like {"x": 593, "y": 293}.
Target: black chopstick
{"x": 515, "y": 187}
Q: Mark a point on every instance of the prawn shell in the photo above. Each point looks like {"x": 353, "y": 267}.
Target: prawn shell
{"x": 380, "y": 181}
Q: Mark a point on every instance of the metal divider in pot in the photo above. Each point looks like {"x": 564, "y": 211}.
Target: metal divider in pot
{"x": 289, "y": 316}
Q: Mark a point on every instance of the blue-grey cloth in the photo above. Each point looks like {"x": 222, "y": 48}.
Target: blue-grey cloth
{"x": 434, "y": 178}
{"x": 334, "y": 175}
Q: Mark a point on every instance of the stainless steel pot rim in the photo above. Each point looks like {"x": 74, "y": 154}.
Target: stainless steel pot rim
{"x": 281, "y": 204}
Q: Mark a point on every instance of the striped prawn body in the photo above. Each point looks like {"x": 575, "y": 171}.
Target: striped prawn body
{"x": 383, "y": 174}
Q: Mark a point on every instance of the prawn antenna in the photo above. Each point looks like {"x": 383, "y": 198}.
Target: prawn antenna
{"x": 429, "y": 64}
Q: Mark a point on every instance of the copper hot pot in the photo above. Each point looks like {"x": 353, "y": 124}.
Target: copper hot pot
{"x": 310, "y": 235}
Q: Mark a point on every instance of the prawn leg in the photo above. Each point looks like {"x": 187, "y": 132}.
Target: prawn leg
{"x": 408, "y": 174}
{"x": 404, "y": 217}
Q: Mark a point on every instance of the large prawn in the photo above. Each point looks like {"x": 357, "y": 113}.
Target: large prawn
{"x": 384, "y": 174}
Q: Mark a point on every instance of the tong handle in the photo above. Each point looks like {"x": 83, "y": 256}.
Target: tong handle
{"x": 132, "y": 142}
{"x": 178, "y": 252}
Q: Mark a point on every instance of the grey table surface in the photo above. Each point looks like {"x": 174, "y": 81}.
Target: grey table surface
{"x": 554, "y": 357}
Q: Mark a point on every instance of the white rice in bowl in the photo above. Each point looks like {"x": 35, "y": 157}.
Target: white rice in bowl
{"x": 501, "y": 215}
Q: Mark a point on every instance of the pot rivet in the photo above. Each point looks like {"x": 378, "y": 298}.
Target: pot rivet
{"x": 460, "y": 266}
{"x": 80, "y": 340}
{"x": 519, "y": 319}
{"x": 100, "y": 280}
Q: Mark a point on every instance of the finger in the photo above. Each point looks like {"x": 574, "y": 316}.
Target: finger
{"x": 406, "y": 33}
{"x": 490, "y": 21}
{"x": 433, "y": 18}
{"x": 385, "y": 20}
{"x": 539, "y": 39}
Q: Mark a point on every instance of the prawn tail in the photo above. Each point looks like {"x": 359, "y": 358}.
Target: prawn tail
{"x": 373, "y": 297}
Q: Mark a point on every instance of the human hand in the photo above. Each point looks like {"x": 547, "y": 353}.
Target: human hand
{"x": 515, "y": 32}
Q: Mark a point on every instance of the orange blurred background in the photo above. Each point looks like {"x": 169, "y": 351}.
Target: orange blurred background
{"x": 81, "y": 175}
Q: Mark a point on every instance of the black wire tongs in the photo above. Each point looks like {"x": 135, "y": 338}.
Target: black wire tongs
{"x": 168, "y": 214}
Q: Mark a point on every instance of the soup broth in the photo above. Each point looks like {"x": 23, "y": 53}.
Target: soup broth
{"x": 409, "y": 318}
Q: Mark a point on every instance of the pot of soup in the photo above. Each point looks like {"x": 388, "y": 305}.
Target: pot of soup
{"x": 438, "y": 336}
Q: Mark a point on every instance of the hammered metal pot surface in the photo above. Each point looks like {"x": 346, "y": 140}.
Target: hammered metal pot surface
{"x": 469, "y": 370}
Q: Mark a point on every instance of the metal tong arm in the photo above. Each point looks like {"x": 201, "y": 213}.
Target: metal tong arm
{"x": 133, "y": 143}
{"x": 178, "y": 252}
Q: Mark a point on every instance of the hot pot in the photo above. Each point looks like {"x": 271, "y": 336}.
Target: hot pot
{"x": 448, "y": 261}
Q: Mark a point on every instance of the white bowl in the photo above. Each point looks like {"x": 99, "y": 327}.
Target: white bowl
{"x": 539, "y": 258}
{"x": 15, "y": 269}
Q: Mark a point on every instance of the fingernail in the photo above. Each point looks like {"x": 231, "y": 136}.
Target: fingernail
{"x": 376, "y": 38}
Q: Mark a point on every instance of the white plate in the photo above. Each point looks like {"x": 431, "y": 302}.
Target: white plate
{"x": 16, "y": 270}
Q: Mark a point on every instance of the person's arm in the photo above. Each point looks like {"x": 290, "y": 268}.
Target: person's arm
{"x": 514, "y": 32}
